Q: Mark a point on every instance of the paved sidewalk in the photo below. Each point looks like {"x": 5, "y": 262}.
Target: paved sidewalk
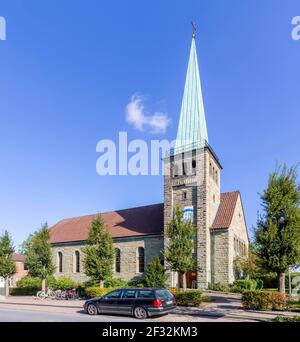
{"x": 34, "y": 301}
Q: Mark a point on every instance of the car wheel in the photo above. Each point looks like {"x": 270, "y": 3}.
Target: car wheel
{"x": 92, "y": 310}
{"x": 140, "y": 313}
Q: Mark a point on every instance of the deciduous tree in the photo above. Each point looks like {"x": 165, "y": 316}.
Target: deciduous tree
{"x": 180, "y": 235}
{"x": 99, "y": 252}
{"x": 7, "y": 265}
{"x": 278, "y": 230}
{"x": 39, "y": 255}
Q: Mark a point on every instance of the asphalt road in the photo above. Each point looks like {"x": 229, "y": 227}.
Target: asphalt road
{"x": 8, "y": 314}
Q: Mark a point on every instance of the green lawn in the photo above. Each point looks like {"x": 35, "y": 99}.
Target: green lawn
{"x": 295, "y": 305}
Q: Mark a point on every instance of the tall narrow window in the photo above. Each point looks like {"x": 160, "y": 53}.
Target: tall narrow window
{"x": 77, "y": 262}
{"x": 118, "y": 260}
{"x": 60, "y": 262}
{"x": 141, "y": 259}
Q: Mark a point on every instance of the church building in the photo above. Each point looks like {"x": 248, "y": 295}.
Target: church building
{"x": 192, "y": 180}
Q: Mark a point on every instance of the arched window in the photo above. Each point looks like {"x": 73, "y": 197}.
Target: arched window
{"x": 60, "y": 262}
{"x": 210, "y": 169}
{"x": 216, "y": 176}
{"x": 77, "y": 262}
{"x": 118, "y": 260}
{"x": 141, "y": 259}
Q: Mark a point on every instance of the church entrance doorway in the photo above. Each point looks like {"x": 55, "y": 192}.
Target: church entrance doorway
{"x": 191, "y": 279}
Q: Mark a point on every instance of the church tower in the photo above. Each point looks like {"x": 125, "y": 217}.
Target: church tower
{"x": 192, "y": 175}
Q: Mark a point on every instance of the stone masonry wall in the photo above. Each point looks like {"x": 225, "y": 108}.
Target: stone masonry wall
{"x": 153, "y": 245}
{"x": 237, "y": 230}
{"x": 220, "y": 256}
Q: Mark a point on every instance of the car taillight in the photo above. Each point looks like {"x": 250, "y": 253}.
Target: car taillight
{"x": 157, "y": 303}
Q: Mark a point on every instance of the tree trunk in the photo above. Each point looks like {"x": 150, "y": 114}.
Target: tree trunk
{"x": 180, "y": 280}
{"x": 7, "y": 286}
{"x": 281, "y": 282}
{"x": 184, "y": 281}
{"x": 43, "y": 284}
{"x": 101, "y": 284}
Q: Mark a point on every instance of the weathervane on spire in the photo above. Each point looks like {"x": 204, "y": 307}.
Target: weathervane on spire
{"x": 193, "y": 29}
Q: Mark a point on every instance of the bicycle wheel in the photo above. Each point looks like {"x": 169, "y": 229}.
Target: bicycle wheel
{"x": 41, "y": 295}
{"x": 51, "y": 294}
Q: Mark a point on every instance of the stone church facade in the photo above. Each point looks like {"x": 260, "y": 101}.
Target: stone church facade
{"x": 192, "y": 180}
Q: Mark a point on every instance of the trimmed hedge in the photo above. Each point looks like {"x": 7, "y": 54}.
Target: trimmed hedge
{"x": 24, "y": 291}
{"x": 188, "y": 298}
{"x": 286, "y": 319}
{"x": 220, "y": 287}
{"x": 95, "y": 292}
{"x": 244, "y": 285}
{"x": 264, "y": 300}
{"x": 259, "y": 284}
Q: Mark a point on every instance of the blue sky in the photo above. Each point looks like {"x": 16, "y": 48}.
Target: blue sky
{"x": 68, "y": 70}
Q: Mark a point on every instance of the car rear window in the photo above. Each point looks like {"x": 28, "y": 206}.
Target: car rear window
{"x": 129, "y": 294}
{"x": 145, "y": 294}
{"x": 163, "y": 294}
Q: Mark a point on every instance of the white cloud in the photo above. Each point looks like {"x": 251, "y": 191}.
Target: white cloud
{"x": 135, "y": 115}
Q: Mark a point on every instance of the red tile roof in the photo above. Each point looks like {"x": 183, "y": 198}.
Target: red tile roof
{"x": 122, "y": 223}
{"x": 139, "y": 221}
{"x": 226, "y": 209}
{"x": 18, "y": 257}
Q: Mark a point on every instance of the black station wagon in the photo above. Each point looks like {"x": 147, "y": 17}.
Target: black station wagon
{"x": 138, "y": 302}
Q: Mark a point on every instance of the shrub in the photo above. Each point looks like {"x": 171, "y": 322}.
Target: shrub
{"x": 24, "y": 291}
{"x": 264, "y": 300}
{"x": 188, "y": 298}
{"x": 244, "y": 285}
{"x": 259, "y": 284}
{"x": 115, "y": 282}
{"x": 136, "y": 283}
{"x": 286, "y": 319}
{"x": 29, "y": 283}
{"x": 218, "y": 287}
{"x": 173, "y": 290}
{"x": 279, "y": 301}
{"x": 64, "y": 283}
{"x": 95, "y": 292}
{"x": 32, "y": 282}
{"x": 29, "y": 286}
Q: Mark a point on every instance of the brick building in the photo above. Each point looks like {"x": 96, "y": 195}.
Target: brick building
{"x": 192, "y": 179}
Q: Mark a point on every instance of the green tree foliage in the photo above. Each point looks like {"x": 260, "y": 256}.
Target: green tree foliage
{"x": 180, "y": 236}
{"x": 278, "y": 230}
{"x": 38, "y": 255}
{"x": 7, "y": 265}
{"x": 248, "y": 265}
{"x": 99, "y": 253}
{"x": 155, "y": 274}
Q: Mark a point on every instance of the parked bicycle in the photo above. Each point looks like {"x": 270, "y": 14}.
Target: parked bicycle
{"x": 45, "y": 294}
{"x": 70, "y": 294}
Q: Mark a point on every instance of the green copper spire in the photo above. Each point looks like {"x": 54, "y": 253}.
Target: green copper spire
{"x": 192, "y": 131}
